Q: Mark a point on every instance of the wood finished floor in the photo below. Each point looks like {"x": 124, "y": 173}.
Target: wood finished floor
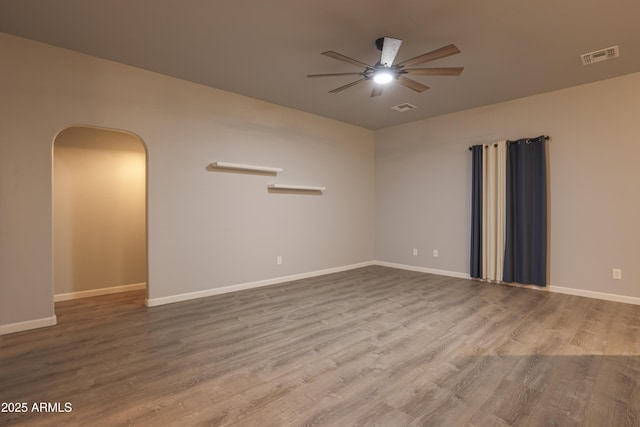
{"x": 368, "y": 347}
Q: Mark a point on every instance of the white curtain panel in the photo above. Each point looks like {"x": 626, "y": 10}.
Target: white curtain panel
{"x": 494, "y": 168}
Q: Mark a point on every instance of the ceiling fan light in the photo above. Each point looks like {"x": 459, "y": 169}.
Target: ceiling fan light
{"x": 383, "y": 76}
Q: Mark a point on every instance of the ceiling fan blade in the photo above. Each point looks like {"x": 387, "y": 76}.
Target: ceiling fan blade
{"x": 390, "y": 48}
{"x": 377, "y": 91}
{"x": 412, "y": 84}
{"x": 443, "y": 52}
{"x": 444, "y": 71}
{"x": 341, "y": 88}
{"x": 341, "y": 57}
{"x": 335, "y": 74}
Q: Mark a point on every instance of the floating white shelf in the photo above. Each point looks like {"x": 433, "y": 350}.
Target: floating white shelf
{"x": 295, "y": 187}
{"x": 245, "y": 168}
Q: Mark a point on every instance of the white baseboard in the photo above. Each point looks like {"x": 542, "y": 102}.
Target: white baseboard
{"x": 51, "y": 321}
{"x": 239, "y": 287}
{"x": 98, "y": 292}
{"x": 152, "y": 302}
{"x": 423, "y": 269}
{"x": 28, "y": 325}
{"x": 557, "y": 289}
{"x": 597, "y": 295}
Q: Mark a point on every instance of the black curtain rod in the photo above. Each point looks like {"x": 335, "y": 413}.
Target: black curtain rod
{"x": 546, "y": 137}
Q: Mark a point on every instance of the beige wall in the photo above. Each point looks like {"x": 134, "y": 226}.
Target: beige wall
{"x": 423, "y": 180}
{"x": 205, "y": 230}
{"x": 99, "y": 210}
{"x": 209, "y": 230}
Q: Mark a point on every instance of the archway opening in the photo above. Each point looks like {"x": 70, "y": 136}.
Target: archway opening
{"x": 99, "y": 213}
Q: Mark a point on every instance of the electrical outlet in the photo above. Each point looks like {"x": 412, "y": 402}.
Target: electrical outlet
{"x": 415, "y": 252}
{"x": 617, "y": 273}
{"x": 279, "y": 259}
{"x": 435, "y": 253}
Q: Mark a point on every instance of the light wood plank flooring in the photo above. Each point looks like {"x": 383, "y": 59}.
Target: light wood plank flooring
{"x": 369, "y": 347}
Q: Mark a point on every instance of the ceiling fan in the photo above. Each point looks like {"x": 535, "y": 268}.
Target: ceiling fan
{"x": 386, "y": 71}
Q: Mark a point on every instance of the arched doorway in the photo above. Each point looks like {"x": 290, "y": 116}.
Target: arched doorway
{"x": 99, "y": 212}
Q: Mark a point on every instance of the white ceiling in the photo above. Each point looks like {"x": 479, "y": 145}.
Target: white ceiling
{"x": 264, "y": 49}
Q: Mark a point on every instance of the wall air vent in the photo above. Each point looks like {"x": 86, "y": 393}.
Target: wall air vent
{"x": 600, "y": 55}
{"x": 404, "y": 107}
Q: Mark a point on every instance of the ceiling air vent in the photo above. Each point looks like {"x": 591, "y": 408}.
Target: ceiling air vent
{"x": 600, "y": 55}
{"x": 404, "y": 107}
